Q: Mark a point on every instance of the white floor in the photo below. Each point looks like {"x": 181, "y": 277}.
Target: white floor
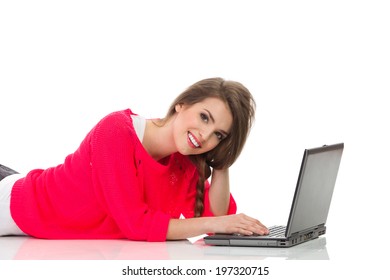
{"x": 26, "y": 248}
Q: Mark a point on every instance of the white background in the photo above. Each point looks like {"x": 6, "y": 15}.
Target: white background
{"x": 319, "y": 71}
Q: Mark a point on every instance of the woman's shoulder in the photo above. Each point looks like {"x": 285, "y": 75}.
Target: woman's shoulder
{"x": 122, "y": 114}
{"x": 117, "y": 124}
{"x": 117, "y": 118}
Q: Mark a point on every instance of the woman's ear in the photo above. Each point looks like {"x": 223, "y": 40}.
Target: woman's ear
{"x": 178, "y": 107}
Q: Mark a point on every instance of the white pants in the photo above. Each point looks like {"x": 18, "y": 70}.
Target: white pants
{"x": 7, "y": 224}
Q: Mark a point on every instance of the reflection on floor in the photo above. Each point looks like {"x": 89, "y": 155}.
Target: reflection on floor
{"x": 26, "y": 248}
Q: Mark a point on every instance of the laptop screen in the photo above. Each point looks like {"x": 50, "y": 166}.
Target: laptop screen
{"x": 315, "y": 186}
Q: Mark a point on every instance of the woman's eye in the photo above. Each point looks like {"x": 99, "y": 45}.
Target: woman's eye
{"x": 219, "y": 136}
{"x": 204, "y": 117}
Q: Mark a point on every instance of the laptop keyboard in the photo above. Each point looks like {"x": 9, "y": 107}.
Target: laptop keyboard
{"x": 274, "y": 231}
{"x": 277, "y": 231}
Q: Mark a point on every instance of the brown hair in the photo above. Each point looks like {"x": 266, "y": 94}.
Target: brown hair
{"x": 242, "y": 107}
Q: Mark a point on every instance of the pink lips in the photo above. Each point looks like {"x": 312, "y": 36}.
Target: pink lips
{"x": 193, "y": 141}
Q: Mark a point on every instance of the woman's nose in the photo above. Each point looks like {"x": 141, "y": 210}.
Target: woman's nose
{"x": 205, "y": 134}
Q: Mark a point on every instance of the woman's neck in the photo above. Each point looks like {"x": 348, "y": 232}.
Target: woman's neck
{"x": 158, "y": 139}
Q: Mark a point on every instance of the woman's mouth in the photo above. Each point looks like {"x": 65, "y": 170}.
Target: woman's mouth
{"x": 193, "y": 141}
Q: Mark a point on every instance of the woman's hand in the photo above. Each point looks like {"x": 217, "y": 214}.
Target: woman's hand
{"x": 239, "y": 223}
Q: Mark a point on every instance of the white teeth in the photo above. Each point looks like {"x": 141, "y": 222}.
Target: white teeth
{"x": 193, "y": 141}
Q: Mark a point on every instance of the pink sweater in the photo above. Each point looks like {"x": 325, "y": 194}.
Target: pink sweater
{"x": 110, "y": 187}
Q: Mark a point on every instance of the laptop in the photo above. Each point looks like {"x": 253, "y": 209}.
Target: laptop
{"x": 310, "y": 205}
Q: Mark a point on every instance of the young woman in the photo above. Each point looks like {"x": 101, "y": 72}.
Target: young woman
{"x": 134, "y": 178}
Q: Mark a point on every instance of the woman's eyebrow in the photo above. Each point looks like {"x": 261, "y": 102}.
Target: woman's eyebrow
{"x": 213, "y": 120}
{"x": 211, "y": 116}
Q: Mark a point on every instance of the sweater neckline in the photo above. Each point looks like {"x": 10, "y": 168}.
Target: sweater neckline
{"x": 165, "y": 163}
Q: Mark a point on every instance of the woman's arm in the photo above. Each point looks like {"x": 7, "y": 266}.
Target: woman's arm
{"x": 240, "y": 223}
{"x": 219, "y": 194}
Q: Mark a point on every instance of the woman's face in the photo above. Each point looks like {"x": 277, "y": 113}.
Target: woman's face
{"x": 200, "y": 127}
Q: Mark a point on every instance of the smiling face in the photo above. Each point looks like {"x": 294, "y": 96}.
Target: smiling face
{"x": 200, "y": 127}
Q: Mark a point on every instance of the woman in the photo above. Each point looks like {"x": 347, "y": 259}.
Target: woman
{"x": 134, "y": 178}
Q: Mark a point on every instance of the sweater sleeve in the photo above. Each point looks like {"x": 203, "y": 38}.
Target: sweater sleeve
{"x": 207, "y": 208}
{"x": 114, "y": 167}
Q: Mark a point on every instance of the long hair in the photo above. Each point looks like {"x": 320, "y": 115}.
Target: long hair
{"x": 241, "y": 105}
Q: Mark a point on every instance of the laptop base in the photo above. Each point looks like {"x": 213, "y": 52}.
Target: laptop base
{"x": 263, "y": 241}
